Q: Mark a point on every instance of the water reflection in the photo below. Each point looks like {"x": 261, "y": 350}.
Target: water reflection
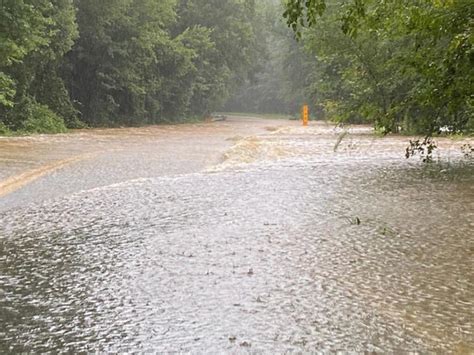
{"x": 262, "y": 257}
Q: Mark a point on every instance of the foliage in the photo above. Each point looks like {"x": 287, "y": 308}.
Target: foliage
{"x": 281, "y": 83}
{"x": 4, "y": 131}
{"x": 40, "y": 119}
{"x": 229, "y": 54}
{"x": 401, "y": 64}
{"x": 36, "y": 118}
{"x": 467, "y": 150}
{"x": 38, "y": 35}
{"x": 120, "y": 62}
{"x": 22, "y": 30}
{"x": 423, "y": 148}
{"x": 7, "y": 90}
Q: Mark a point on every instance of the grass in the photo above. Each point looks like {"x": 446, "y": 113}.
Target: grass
{"x": 5, "y": 132}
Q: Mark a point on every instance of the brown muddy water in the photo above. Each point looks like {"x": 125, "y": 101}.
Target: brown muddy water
{"x": 241, "y": 236}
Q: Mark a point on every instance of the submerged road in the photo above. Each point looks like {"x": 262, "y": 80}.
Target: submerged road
{"x": 41, "y": 167}
{"x": 247, "y": 235}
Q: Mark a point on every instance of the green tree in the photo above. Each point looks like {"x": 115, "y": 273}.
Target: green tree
{"x": 37, "y": 37}
{"x": 112, "y": 66}
{"x": 402, "y": 64}
{"x": 22, "y": 30}
{"x": 230, "y": 55}
{"x": 280, "y": 84}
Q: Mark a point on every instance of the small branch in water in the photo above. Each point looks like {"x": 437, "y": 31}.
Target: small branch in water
{"x": 340, "y": 138}
{"x": 354, "y": 221}
{"x": 424, "y": 149}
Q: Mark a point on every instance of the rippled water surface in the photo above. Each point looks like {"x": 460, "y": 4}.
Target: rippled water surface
{"x": 281, "y": 244}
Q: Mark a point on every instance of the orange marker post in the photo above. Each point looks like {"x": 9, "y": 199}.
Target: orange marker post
{"x": 305, "y": 115}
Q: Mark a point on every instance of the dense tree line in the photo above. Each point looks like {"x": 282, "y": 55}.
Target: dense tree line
{"x": 402, "y": 64}
{"x": 70, "y": 63}
{"x": 281, "y": 83}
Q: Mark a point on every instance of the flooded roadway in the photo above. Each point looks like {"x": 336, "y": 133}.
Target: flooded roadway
{"x": 240, "y": 236}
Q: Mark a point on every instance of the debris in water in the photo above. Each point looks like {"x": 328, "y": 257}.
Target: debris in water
{"x": 354, "y": 221}
{"x": 339, "y": 139}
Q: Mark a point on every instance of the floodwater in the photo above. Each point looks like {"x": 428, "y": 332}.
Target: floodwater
{"x": 240, "y": 236}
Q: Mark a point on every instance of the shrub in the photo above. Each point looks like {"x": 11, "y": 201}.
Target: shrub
{"x": 40, "y": 119}
{"x": 4, "y": 131}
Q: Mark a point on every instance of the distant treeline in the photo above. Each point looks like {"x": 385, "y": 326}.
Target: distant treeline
{"x": 403, "y": 65}
{"x": 399, "y": 64}
{"x": 70, "y": 63}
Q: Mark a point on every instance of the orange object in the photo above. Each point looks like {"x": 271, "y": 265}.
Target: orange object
{"x": 305, "y": 115}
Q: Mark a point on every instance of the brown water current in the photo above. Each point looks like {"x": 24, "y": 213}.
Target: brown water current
{"x": 241, "y": 236}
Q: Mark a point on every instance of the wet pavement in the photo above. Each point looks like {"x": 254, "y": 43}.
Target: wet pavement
{"x": 241, "y": 236}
